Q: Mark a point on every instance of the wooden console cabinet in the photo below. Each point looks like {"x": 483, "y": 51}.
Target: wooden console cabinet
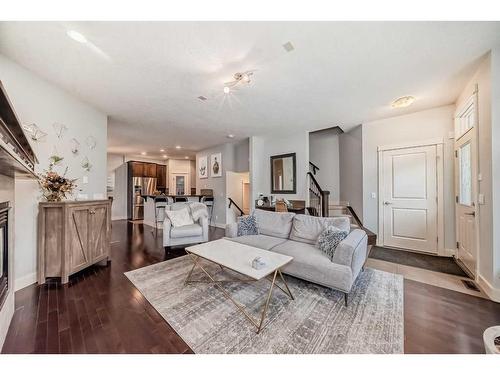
{"x": 72, "y": 235}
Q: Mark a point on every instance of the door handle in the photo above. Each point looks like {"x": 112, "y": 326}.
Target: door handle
{"x": 387, "y": 203}
{"x": 473, "y": 213}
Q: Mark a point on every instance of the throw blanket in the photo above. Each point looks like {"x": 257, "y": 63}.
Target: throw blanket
{"x": 198, "y": 210}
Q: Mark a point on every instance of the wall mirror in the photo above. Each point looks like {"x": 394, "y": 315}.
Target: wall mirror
{"x": 283, "y": 174}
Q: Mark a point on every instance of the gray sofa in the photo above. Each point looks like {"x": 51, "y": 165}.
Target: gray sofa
{"x": 296, "y": 236}
{"x": 187, "y": 234}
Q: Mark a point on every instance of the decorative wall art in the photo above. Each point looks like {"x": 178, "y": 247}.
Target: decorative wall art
{"x": 60, "y": 129}
{"x": 202, "y": 167}
{"x": 35, "y": 133}
{"x": 55, "y": 158}
{"x": 216, "y": 165}
{"x": 86, "y": 164}
{"x": 75, "y": 146}
{"x": 91, "y": 142}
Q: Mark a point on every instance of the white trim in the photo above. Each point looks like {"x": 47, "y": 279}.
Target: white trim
{"x": 438, "y": 142}
{"x": 118, "y": 218}
{"x": 440, "y": 197}
{"x": 397, "y": 146}
{"x": 488, "y": 289}
{"x": 24, "y": 281}
{"x": 449, "y": 253}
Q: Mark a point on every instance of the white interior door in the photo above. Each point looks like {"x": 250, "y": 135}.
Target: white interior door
{"x": 466, "y": 185}
{"x": 409, "y": 198}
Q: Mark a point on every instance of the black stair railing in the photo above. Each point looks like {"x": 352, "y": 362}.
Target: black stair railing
{"x": 318, "y": 198}
{"x": 233, "y": 203}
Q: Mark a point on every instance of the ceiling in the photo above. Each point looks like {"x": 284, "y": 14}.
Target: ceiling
{"x": 147, "y": 75}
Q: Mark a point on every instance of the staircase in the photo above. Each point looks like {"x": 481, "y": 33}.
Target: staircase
{"x": 319, "y": 205}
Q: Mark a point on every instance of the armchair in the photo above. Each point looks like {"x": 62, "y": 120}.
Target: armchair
{"x": 187, "y": 234}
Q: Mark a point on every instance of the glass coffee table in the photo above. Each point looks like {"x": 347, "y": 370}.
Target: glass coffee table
{"x": 238, "y": 258}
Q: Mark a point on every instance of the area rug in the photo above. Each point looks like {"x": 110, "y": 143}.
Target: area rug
{"x": 317, "y": 321}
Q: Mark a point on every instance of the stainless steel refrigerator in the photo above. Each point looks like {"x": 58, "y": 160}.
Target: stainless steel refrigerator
{"x": 141, "y": 186}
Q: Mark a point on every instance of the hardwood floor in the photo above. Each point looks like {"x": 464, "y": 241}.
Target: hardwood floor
{"x": 100, "y": 311}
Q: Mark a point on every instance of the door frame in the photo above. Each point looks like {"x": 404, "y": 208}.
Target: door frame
{"x": 439, "y": 143}
{"x": 473, "y": 99}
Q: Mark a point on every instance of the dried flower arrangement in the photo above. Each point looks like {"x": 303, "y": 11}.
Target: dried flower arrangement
{"x": 55, "y": 187}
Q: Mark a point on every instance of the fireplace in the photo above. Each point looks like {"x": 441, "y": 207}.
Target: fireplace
{"x": 4, "y": 251}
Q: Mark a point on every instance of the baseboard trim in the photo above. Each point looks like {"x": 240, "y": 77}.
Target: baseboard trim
{"x": 24, "y": 281}
{"x": 6, "y": 314}
{"x": 488, "y": 289}
{"x": 447, "y": 252}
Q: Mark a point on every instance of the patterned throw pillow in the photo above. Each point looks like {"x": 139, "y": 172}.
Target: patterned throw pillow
{"x": 247, "y": 225}
{"x": 329, "y": 239}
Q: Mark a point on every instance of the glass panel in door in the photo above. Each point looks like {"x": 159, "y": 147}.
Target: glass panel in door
{"x": 180, "y": 185}
{"x": 465, "y": 174}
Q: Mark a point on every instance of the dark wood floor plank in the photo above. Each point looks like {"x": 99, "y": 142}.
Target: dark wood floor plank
{"x": 100, "y": 310}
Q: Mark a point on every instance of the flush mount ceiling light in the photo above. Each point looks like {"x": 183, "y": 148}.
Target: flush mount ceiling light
{"x": 239, "y": 80}
{"x": 288, "y": 46}
{"x": 75, "y": 35}
{"x": 403, "y": 101}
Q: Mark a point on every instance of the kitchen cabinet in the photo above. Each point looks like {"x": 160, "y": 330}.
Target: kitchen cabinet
{"x": 161, "y": 176}
{"x": 136, "y": 169}
{"x": 149, "y": 170}
{"x": 72, "y": 235}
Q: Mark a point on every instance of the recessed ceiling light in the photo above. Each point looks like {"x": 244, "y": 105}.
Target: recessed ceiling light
{"x": 403, "y": 101}
{"x": 288, "y": 46}
{"x": 164, "y": 156}
{"x": 230, "y": 136}
{"x": 178, "y": 147}
{"x": 226, "y": 90}
{"x": 186, "y": 157}
{"x": 75, "y": 35}
{"x": 143, "y": 153}
{"x": 162, "y": 150}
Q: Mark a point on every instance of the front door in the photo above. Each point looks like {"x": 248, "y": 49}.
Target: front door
{"x": 409, "y": 198}
{"x": 466, "y": 185}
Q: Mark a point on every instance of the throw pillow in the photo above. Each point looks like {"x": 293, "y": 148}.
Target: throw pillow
{"x": 329, "y": 239}
{"x": 247, "y": 225}
{"x": 179, "y": 218}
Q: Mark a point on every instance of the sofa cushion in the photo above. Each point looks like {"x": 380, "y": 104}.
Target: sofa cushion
{"x": 310, "y": 264}
{"x": 307, "y": 228}
{"x": 191, "y": 230}
{"x": 260, "y": 240}
{"x": 276, "y": 224}
{"x": 180, "y": 218}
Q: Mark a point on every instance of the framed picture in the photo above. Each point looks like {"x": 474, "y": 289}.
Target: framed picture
{"x": 202, "y": 167}
{"x": 216, "y": 165}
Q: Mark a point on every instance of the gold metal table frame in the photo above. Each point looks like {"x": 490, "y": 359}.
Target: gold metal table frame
{"x": 257, "y": 324}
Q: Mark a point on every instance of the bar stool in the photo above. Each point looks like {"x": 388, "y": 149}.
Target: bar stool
{"x": 209, "y": 202}
{"x": 160, "y": 204}
{"x": 181, "y": 199}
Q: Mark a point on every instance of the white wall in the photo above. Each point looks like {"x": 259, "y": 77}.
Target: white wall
{"x": 324, "y": 153}
{"x": 263, "y": 147}
{"x": 495, "y": 137}
{"x": 351, "y": 169}
{"x": 217, "y": 184}
{"x": 234, "y": 190}
{"x": 37, "y": 101}
{"x": 418, "y": 126}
